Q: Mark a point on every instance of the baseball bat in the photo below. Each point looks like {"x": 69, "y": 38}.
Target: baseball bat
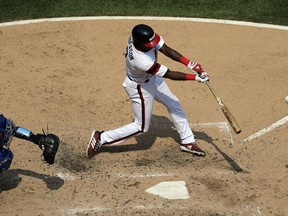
{"x": 235, "y": 126}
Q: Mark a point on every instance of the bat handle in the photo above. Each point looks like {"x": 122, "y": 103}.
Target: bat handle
{"x": 212, "y": 90}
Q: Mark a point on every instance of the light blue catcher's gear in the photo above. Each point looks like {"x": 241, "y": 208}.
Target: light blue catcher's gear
{"x": 8, "y": 130}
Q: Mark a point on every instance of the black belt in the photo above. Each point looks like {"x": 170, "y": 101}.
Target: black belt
{"x": 146, "y": 81}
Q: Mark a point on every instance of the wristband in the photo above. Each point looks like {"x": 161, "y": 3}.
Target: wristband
{"x": 184, "y": 60}
{"x": 190, "y": 77}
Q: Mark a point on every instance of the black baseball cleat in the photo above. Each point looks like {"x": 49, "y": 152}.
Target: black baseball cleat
{"x": 94, "y": 144}
{"x": 192, "y": 148}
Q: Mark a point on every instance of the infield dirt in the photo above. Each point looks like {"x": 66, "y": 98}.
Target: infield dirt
{"x": 69, "y": 75}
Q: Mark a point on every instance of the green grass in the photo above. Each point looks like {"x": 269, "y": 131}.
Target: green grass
{"x": 262, "y": 11}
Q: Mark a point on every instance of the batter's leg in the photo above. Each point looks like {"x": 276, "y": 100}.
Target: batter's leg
{"x": 142, "y": 97}
{"x": 167, "y": 98}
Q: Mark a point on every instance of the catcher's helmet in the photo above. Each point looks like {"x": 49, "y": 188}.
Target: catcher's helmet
{"x": 143, "y": 34}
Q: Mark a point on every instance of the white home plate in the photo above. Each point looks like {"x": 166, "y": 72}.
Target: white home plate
{"x": 170, "y": 190}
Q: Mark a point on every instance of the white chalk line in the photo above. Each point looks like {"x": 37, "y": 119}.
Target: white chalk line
{"x": 251, "y": 209}
{"x": 138, "y": 175}
{"x": 223, "y": 127}
{"x": 185, "y": 19}
{"x": 105, "y": 209}
{"x": 266, "y": 130}
{"x": 67, "y": 176}
{"x": 259, "y": 211}
{"x": 100, "y": 209}
{"x": 71, "y": 177}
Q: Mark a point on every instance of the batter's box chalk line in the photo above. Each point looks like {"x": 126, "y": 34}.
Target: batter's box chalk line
{"x": 222, "y": 126}
{"x": 75, "y": 177}
{"x": 100, "y": 209}
{"x": 266, "y": 130}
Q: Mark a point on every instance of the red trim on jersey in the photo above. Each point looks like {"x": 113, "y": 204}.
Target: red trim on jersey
{"x": 154, "y": 69}
{"x": 190, "y": 77}
{"x": 184, "y": 60}
{"x": 143, "y": 119}
{"x": 153, "y": 41}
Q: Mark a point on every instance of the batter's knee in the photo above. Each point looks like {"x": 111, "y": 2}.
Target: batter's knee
{"x": 140, "y": 127}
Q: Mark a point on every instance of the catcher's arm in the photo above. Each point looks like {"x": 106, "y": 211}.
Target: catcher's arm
{"x": 49, "y": 143}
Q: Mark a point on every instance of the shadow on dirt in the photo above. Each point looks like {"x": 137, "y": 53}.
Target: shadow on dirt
{"x": 208, "y": 139}
{"x": 163, "y": 127}
{"x": 160, "y": 126}
{"x": 11, "y": 179}
{"x": 73, "y": 158}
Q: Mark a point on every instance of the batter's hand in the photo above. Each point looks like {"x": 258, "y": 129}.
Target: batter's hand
{"x": 204, "y": 73}
{"x": 195, "y": 67}
{"x": 202, "y": 78}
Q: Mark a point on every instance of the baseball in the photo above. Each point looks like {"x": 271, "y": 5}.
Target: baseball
{"x": 286, "y": 99}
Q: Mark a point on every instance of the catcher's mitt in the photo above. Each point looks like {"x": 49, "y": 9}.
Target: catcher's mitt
{"x": 49, "y": 144}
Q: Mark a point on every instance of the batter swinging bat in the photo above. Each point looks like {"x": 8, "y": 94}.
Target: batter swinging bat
{"x": 226, "y": 111}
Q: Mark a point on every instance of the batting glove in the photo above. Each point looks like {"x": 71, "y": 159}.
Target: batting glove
{"x": 202, "y": 78}
{"x": 204, "y": 73}
{"x": 195, "y": 67}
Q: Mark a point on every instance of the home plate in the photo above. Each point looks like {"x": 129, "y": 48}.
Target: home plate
{"x": 170, "y": 190}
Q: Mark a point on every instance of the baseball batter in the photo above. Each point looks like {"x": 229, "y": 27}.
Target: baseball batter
{"x": 143, "y": 83}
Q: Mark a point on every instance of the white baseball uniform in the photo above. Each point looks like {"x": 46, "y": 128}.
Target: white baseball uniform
{"x": 143, "y": 84}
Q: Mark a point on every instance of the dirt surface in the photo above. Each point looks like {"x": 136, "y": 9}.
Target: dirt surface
{"x": 68, "y": 75}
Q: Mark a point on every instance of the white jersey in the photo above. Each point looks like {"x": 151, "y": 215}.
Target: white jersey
{"x": 144, "y": 84}
{"x": 140, "y": 66}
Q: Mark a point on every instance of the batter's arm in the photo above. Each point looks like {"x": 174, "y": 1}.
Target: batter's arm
{"x": 177, "y": 75}
{"x": 171, "y": 53}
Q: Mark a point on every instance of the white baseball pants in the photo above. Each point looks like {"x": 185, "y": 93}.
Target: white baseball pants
{"x": 142, "y": 96}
